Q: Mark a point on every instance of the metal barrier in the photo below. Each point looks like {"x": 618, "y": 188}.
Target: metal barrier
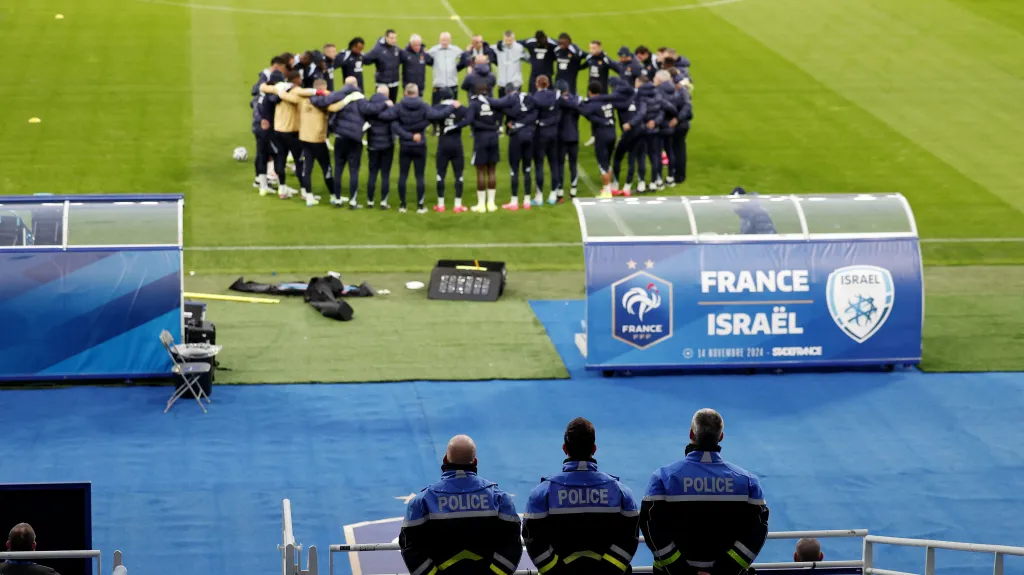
{"x": 291, "y": 553}
{"x": 90, "y": 554}
{"x": 930, "y": 545}
{"x": 836, "y": 533}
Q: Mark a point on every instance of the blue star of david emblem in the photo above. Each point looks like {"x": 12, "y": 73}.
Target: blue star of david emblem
{"x": 861, "y": 310}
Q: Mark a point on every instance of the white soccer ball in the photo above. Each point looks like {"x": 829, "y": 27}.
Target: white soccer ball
{"x": 240, "y": 154}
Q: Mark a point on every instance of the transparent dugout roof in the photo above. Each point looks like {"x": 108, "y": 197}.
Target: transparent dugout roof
{"x": 746, "y": 218}
{"x": 90, "y": 221}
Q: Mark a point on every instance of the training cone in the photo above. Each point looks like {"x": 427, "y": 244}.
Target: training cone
{"x": 34, "y": 120}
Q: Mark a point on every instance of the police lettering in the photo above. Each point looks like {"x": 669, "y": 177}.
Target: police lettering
{"x": 779, "y": 322}
{"x": 583, "y": 496}
{"x": 464, "y": 502}
{"x": 707, "y": 484}
{"x": 754, "y": 282}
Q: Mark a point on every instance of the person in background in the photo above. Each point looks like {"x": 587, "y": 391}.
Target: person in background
{"x": 599, "y": 109}
{"x": 310, "y": 67}
{"x": 628, "y": 66}
{"x": 684, "y": 106}
{"x": 667, "y": 90}
{"x": 449, "y": 151}
{"x": 542, "y": 57}
{"x": 313, "y": 135}
{"x": 808, "y": 550}
{"x": 277, "y": 64}
{"x": 480, "y": 75}
{"x": 446, "y": 69}
{"x": 643, "y": 55}
{"x": 462, "y": 524}
{"x": 330, "y": 55}
{"x": 545, "y": 139}
{"x": 352, "y": 108}
{"x": 350, "y": 62}
{"x": 701, "y": 512}
{"x": 568, "y": 139}
{"x": 286, "y": 127}
{"x": 477, "y": 47}
{"x": 511, "y": 56}
{"x": 387, "y": 57}
{"x": 409, "y": 121}
{"x": 581, "y": 521}
{"x": 381, "y": 151}
{"x": 598, "y": 64}
{"x": 520, "y": 122}
{"x": 23, "y": 538}
{"x": 414, "y": 63}
{"x": 651, "y": 126}
{"x": 568, "y": 58}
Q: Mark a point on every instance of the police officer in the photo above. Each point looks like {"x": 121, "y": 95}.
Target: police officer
{"x": 701, "y": 514}
{"x": 581, "y": 521}
{"x": 521, "y": 120}
{"x": 387, "y": 57}
{"x": 463, "y": 524}
{"x": 410, "y": 120}
{"x": 568, "y": 58}
{"x": 351, "y": 61}
{"x": 449, "y": 151}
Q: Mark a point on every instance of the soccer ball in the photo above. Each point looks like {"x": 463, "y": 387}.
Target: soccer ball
{"x": 240, "y": 154}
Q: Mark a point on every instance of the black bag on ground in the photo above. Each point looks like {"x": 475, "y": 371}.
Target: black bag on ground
{"x": 322, "y": 293}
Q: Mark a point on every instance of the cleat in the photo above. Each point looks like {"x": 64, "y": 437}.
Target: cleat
{"x": 552, "y": 198}
{"x": 460, "y": 209}
{"x": 641, "y": 187}
{"x": 401, "y": 209}
{"x": 421, "y": 210}
{"x": 311, "y": 201}
{"x": 384, "y": 206}
{"x": 512, "y": 207}
{"x": 438, "y": 208}
{"x": 479, "y": 208}
{"x": 353, "y": 205}
{"x": 561, "y": 199}
{"x": 604, "y": 195}
{"x": 492, "y": 207}
{"x": 264, "y": 192}
{"x": 284, "y": 192}
{"x": 526, "y": 203}
{"x": 538, "y": 200}
{"x": 572, "y": 192}
{"x": 369, "y": 204}
{"x": 664, "y": 159}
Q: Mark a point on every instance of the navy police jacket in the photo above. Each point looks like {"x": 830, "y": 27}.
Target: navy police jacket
{"x": 461, "y": 525}
{"x": 703, "y": 514}
{"x": 581, "y": 521}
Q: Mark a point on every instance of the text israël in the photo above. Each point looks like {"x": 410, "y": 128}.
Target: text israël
{"x": 778, "y": 322}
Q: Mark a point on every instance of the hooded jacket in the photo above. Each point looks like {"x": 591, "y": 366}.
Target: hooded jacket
{"x": 387, "y": 59}
{"x": 414, "y": 66}
{"x": 481, "y": 74}
{"x": 655, "y": 105}
{"x": 379, "y": 137}
{"x": 413, "y": 116}
{"x": 350, "y": 117}
{"x": 668, "y": 94}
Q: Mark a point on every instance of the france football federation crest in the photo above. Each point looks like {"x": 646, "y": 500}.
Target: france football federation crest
{"x": 642, "y": 310}
{"x": 860, "y": 299}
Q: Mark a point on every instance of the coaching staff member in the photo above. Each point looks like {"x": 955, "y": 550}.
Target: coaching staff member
{"x": 581, "y": 521}
{"x": 387, "y": 57}
{"x": 463, "y": 524}
{"x": 701, "y": 514}
{"x": 23, "y": 538}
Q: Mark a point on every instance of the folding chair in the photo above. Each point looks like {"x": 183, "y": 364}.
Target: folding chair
{"x": 190, "y": 373}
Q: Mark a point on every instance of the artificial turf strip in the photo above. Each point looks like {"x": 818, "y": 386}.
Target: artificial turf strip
{"x": 972, "y": 323}
{"x": 396, "y": 337}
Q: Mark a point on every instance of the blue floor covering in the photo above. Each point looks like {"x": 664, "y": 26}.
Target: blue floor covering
{"x": 903, "y": 454}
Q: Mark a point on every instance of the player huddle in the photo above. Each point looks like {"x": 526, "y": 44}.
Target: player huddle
{"x": 296, "y": 105}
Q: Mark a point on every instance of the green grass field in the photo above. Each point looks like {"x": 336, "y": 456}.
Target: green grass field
{"x": 920, "y": 97}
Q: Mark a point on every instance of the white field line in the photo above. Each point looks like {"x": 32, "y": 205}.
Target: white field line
{"x": 356, "y": 16}
{"x": 510, "y": 245}
{"x": 455, "y": 16}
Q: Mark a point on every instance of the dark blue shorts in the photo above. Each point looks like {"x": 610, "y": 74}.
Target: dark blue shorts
{"x": 486, "y": 151}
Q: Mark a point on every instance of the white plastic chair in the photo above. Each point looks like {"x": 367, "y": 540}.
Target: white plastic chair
{"x": 190, "y": 373}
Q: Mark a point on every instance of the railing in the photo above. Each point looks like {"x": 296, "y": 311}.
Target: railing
{"x": 291, "y": 553}
{"x": 89, "y": 554}
{"x": 930, "y": 545}
{"x": 836, "y": 533}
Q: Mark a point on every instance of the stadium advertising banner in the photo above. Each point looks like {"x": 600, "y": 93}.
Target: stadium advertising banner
{"x": 814, "y": 303}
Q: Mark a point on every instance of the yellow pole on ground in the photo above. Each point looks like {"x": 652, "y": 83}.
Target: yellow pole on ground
{"x": 235, "y": 298}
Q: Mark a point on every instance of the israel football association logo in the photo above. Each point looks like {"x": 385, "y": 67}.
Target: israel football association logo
{"x": 860, "y": 299}
{"x": 642, "y": 310}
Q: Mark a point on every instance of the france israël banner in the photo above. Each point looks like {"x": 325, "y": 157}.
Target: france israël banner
{"x": 661, "y": 305}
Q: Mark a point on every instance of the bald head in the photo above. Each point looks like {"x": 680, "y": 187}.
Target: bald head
{"x": 461, "y": 451}
{"x": 22, "y": 538}
{"x": 808, "y": 550}
{"x": 446, "y": 39}
{"x": 382, "y": 89}
{"x": 351, "y": 81}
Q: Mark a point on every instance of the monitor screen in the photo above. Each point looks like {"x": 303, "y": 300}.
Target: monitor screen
{"x": 60, "y": 514}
